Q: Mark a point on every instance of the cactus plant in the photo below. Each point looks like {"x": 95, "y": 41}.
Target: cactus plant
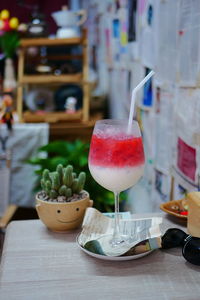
{"x": 62, "y": 182}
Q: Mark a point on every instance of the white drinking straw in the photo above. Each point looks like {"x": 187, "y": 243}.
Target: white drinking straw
{"x": 134, "y": 91}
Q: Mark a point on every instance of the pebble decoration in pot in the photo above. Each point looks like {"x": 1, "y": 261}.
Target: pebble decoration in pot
{"x": 62, "y": 202}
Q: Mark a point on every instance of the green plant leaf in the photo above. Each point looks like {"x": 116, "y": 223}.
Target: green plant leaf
{"x": 9, "y": 42}
{"x": 55, "y": 147}
{"x": 83, "y": 161}
{"x": 56, "y": 161}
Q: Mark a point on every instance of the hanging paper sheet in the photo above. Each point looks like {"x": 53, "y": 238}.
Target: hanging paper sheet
{"x": 188, "y": 40}
{"x": 161, "y": 189}
{"x": 166, "y": 45}
{"x": 187, "y": 155}
{"x": 164, "y": 128}
{"x": 147, "y": 31}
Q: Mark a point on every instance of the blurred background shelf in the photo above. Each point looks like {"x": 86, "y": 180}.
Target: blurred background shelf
{"x": 74, "y": 130}
{"x": 52, "y": 76}
{"x": 51, "y": 117}
{"x": 51, "y": 42}
{"x": 41, "y": 79}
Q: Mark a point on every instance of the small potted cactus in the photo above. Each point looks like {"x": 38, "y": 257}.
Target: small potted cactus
{"x": 62, "y": 202}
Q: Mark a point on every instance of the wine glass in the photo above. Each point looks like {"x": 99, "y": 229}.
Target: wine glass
{"x": 116, "y": 161}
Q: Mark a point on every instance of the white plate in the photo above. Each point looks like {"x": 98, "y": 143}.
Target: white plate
{"x": 112, "y": 258}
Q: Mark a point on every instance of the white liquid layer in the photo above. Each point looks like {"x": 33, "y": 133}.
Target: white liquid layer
{"x": 116, "y": 179}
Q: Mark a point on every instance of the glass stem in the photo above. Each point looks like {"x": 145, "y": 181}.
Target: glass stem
{"x": 116, "y": 234}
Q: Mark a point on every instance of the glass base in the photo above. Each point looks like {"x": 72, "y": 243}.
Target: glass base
{"x": 114, "y": 246}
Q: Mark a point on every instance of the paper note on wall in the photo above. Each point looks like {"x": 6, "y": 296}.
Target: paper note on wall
{"x": 164, "y": 129}
{"x": 161, "y": 189}
{"x": 186, "y": 160}
{"x": 166, "y": 42}
{"x": 187, "y": 123}
{"x": 188, "y": 39}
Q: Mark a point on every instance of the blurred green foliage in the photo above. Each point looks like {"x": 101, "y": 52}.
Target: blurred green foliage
{"x": 76, "y": 154}
{"x": 9, "y": 41}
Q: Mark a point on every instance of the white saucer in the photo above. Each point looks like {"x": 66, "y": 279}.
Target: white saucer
{"x": 112, "y": 258}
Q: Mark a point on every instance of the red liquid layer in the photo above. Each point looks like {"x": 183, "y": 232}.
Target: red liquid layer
{"x": 116, "y": 152}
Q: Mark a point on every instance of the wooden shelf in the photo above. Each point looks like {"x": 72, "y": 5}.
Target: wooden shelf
{"x": 74, "y": 130}
{"x": 50, "y": 42}
{"x": 79, "y": 78}
{"x": 40, "y": 79}
{"x": 51, "y": 117}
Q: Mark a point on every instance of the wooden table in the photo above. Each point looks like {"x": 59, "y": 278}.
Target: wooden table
{"x": 39, "y": 264}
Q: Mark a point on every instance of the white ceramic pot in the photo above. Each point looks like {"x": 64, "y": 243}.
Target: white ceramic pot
{"x": 9, "y": 81}
{"x": 69, "y": 22}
